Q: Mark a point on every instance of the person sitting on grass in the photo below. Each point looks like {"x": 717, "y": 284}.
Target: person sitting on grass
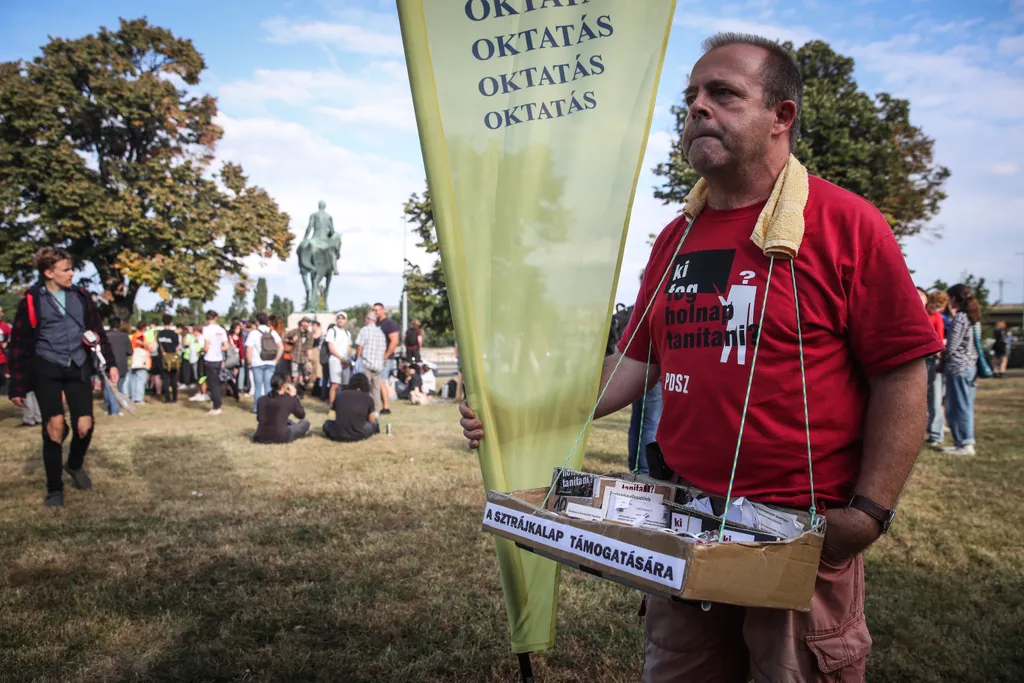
{"x": 355, "y": 419}
{"x": 273, "y": 411}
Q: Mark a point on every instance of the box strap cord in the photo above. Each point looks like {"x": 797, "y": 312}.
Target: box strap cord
{"x": 590, "y": 418}
{"x": 750, "y": 383}
{"x": 746, "y": 400}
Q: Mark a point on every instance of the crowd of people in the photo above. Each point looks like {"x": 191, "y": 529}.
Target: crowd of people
{"x": 953, "y": 373}
{"x": 59, "y": 353}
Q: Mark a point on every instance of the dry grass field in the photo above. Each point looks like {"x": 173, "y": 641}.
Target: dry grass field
{"x": 365, "y": 562}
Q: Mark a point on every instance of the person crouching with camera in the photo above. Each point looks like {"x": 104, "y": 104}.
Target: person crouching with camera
{"x": 57, "y": 329}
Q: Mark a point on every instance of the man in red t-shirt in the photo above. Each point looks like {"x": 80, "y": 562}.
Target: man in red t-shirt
{"x": 865, "y": 335}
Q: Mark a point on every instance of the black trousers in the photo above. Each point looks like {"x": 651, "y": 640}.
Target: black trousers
{"x": 213, "y": 383}
{"x": 368, "y": 430}
{"x": 170, "y": 385}
{"x": 52, "y": 384}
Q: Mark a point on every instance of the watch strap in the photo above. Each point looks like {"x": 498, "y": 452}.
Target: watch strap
{"x": 871, "y": 508}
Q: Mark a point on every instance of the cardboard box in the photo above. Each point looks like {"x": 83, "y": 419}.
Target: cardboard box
{"x": 778, "y": 574}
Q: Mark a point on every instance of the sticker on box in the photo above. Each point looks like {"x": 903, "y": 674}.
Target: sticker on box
{"x": 591, "y": 547}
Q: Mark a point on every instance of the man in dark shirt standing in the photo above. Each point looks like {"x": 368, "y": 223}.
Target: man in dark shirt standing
{"x": 170, "y": 354}
{"x": 390, "y": 329}
{"x": 121, "y": 345}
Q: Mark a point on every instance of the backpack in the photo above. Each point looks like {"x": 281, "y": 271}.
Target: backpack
{"x": 141, "y": 359}
{"x": 412, "y": 337}
{"x": 325, "y": 348}
{"x": 620, "y": 319}
{"x": 171, "y": 360}
{"x": 232, "y": 359}
{"x": 268, "y": 346}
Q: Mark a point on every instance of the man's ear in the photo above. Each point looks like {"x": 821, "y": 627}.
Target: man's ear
{"x": 785, "y": 118}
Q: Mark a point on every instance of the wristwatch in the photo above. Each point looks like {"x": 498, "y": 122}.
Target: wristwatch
{"x": 882, "y": 515}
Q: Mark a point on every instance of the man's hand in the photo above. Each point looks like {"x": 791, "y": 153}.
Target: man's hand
{"x": 19, "y": 401}
{"x": 848, "y": 533}
{"x": 290, "y": 389}
{"x": 472, "y": 428}
{"x": 114, "y": 375}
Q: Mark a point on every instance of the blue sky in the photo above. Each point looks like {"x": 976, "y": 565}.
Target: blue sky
{"x": 315, "y": 104}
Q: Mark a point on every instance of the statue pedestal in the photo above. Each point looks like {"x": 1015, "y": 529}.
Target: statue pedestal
{"x": 324, "y": 319}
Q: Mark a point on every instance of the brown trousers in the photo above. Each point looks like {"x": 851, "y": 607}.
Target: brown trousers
{"x": 730, "y": 644}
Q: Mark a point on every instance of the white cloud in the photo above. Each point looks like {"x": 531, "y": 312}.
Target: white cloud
{"x": 1011, "y": 45}
{"x": 376, "y": 95}
{"x": 364, "y": 194}
{"x": 1005, "y": 168}
{"x": 345, "y": 37}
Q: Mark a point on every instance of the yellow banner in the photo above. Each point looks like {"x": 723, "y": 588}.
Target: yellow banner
{"x": 533, "y": 117}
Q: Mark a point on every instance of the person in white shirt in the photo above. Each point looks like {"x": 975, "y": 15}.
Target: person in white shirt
{"x": 215, "y": 342}
{"x": 429, "y": 380}
{"x": 260, "y": 358}
{"x": 339, "y": 365}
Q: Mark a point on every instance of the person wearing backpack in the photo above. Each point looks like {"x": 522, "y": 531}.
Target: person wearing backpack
{"x": 263, "y": 351}
{"x": 413, "y": 342}
{"x": 338, "y": 346}
{"x": 169, "y": 344}
{"x": 57, "y": 330}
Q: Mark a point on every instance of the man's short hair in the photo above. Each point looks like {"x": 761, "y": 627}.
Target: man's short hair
{"x": 47, "y": 257}
{"x": 211, "y": 314}
{"x": 378, "y": 304}
{"x": 114, "y": 323}
{"x": 262, "y": 318}
{"x": 780, "y": 74}
{"x": 168, "y": 318}
{"x": 359, "y": 382}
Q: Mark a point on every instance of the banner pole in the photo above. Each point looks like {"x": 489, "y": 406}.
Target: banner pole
{"x": 525, "y": 668}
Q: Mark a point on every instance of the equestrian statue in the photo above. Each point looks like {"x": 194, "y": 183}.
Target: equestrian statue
{"x": 318, "y": 255}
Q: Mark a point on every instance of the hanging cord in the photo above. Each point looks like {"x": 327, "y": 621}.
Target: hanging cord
{"x": 643, "y": 409}
{"x": 803, "y": 380}
{"x": 746, "y": 399}
{"x": 629, "y": 342}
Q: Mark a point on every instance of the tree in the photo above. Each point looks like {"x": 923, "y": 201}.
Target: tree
{"x": 282, "y": 308}
{"x": 105, "y": 151}
{"x": 427, "y": 292}
{"x": 866, "y": 145}
{"x": 259, "y": 297}
{"x": 237, "y": 308}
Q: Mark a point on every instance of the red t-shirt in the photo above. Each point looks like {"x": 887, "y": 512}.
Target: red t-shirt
{"x": 860, "y": 313}
{"x": 6, "y": 330}
{"x": 939, "y": 324}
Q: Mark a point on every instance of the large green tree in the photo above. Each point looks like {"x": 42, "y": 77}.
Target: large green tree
{"x": 427, "y": 292}
{"x": 106, "y": 150}
{"x": 862, "y": 143}
{"x": 260, "y": 296}
{"x": 282, "y": 308}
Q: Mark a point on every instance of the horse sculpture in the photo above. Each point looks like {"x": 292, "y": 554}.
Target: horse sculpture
{"x": 318, "y": 255}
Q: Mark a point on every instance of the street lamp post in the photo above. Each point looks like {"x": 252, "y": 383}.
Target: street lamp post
{"x": 1021, "y": 253}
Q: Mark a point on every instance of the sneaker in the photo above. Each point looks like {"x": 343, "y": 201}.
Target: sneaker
{"x": 80, "y": 478}
{"x": 197, "y": 397}
{"x": 386, "y": 411}
{"x": 215, "y": 411}
{"x": 937, "y": 445}
{"x": 959, "y": 450}
{"x": 55, "y": 499}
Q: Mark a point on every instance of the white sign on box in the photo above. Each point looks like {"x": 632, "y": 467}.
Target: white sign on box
{"x": 625, "y": 510}
{"x": 601, "y": 550}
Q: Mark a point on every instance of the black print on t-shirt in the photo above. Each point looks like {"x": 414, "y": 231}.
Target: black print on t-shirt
{"x": 700, "y": 272}
{"x": 725, "y": 320}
